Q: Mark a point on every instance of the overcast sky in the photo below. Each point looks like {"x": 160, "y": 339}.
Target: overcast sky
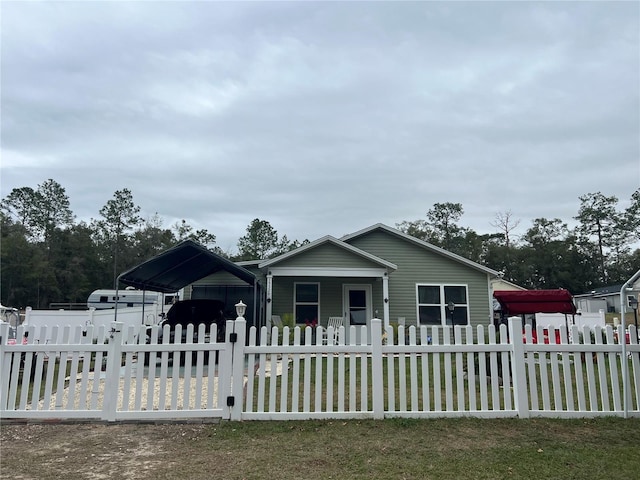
{"x": 322, "y": 118}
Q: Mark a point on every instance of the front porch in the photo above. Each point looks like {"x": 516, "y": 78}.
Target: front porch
{"x": 313, "y": 299}
{"x": 328, "y": 278}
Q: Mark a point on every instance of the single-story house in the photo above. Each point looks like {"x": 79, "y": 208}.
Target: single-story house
{"x": 375, "y": 272}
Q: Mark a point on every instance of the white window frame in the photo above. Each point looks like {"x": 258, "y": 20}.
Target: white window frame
{"x": 296, "y": 303}
{"x": 444, "y": 312}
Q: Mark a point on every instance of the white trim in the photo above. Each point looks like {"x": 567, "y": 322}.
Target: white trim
{"x": 346, "y": 287}
{"x": 318, "y": 303}
{"x": 329, "y": 239}
{"x": 385, "y": 301}
{"x": 326, "y": 272}
{"x": 443, "y": 306}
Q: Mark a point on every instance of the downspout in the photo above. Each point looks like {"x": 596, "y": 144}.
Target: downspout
{"x": 623, "y": 311}
{"x": 490, "y": 295}
{"x": 144, "y": 292}
{"x": 115, "y": 313}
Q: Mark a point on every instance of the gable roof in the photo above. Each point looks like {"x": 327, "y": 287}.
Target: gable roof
{"x": 328, "y": 239}
{"x": 180, "y": 266}
{"x": 421, "y": 243}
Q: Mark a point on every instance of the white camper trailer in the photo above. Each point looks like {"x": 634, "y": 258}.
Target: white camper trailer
{"x": 129, "y": 297}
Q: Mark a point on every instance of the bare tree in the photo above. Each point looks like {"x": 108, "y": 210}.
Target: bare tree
{"x": 506, "y": 224}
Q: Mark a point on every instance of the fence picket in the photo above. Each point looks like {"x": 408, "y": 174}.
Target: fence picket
{"x": 413, "y": 376}
{"x": 341, "y": 377}
{"x": 520, "y": 361}
{"x": 471, "y": 370}
{"x": 318, "y": 388}
{"x": 613, "y": 367}
{"x": 73, "y": 371}
{"x": 402, "y": 374}
{"x": 566, "y": 370}
{"x": 493, "y": 366}
{"x": 306, "y": 400}
{"x": 457, "y": 333}
{"x": 435, "y": 361}
{"x": 364, "y": 377}
{"x": 296, "y": 373}
{"x": 635, "y": 363}
{"x": 424, "y": 360}
{"x": 448, "y": 387}
{"x": 504, "y": 370}
{"x": 482, "y": 371}
{"x": 273, "y": 366}
{"x": 577, "y": 363}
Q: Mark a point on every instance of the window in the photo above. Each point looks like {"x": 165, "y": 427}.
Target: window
{"x": 433, "y": 304}
{"x": 307, "y": 302}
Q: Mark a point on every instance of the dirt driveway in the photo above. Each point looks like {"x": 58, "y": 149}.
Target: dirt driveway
{"x": 95, "y": 451}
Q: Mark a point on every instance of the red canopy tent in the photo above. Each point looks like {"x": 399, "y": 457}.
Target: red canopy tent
{"x": 514, "y": 302}
{"x": 536, "y": 301}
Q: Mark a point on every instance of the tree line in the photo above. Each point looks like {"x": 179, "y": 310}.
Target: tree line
{"x": 47, "y": 256}
{"x": 600, "y": 250}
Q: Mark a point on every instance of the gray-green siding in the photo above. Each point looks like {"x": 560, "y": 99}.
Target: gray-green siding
{"x": 417, "y": 264}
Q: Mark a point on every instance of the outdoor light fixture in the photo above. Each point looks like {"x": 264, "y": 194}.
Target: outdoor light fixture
{"x": 451, "y": 306}
{"x": 633, "y": 303}
{"x": 240, "y": 309}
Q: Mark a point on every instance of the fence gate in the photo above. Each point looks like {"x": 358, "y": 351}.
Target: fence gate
{"x": 138, "y": 374}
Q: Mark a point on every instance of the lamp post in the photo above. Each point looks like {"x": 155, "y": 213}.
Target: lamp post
{"x": 633, "y": 303}
{"x": 240, "y": 309}
{"x": 451, "y": 306}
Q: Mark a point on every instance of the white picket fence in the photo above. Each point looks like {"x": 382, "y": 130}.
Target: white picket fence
{"x": 424, "y": 372}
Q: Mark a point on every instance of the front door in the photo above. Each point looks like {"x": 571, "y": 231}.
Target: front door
{"x": 357, "y": 309}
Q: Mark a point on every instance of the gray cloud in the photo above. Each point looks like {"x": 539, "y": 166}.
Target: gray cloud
{"x": 322, "y": 118}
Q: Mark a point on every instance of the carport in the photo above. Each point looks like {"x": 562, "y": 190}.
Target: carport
{"x": 182, "y": 265}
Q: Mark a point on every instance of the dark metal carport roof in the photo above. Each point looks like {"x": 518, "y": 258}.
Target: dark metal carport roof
{"x": 180, "y": 266}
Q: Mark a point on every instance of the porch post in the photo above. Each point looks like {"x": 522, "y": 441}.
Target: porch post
{"x": 269, "y": 301}
{"x": 385, "y": 299}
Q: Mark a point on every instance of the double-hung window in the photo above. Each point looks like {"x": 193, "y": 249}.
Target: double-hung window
{"x": 441, "y": 305}
{"x": 307, "y": 302}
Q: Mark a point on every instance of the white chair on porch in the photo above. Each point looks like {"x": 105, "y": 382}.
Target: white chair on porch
{"x": 276, "y": 321}
{"x": 336, "y": 323}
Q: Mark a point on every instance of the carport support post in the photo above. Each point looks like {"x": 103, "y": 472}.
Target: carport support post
{"x": 519, "y": 377}
{"x": 112, "y": 374}
{"x": 269, "y": 302}
{"x": 385, "y": 295}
